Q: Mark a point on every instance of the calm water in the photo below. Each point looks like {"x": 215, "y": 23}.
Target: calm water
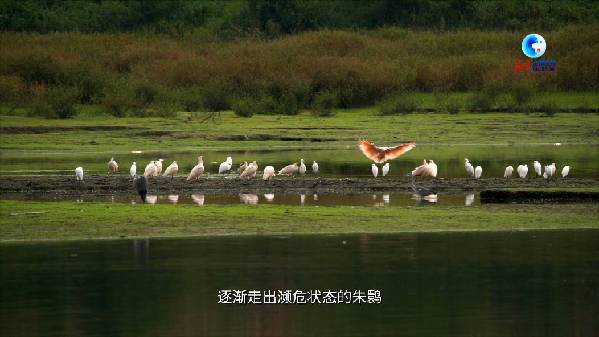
{"x": 290, "y": 199}
{"x": 459, "y": 284}
{"x": 584, "y": 160}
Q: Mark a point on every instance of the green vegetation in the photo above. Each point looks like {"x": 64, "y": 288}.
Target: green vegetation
{"x": 157, "y": 75}
{"x": 191, "y": 132}
{"x": 267, "y": 18}
{"x": 66, "y": 220}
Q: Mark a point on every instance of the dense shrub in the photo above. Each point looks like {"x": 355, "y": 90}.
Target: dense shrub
{"x": 452, "y": 105}
{"x": 12, "y": 89}
{"x": 324, "y": 103}
{"x": 216, "y": 98}
{"x": 55, "y": 103}
{"x": 191, "y": 100}
{"x": 548, "y": 106}
{"x": 244, "y": 107}
{"x": 521, "y": 93}
{"x": 400, "y": 104}
{"x": 146, "y": 93}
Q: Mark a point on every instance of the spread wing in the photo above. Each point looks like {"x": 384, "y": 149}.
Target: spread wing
{"x": 381, "y": 155}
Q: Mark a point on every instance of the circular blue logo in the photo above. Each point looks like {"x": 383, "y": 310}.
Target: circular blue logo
{"x": 534, "y": 45}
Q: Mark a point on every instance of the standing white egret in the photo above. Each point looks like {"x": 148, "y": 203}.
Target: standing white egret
{"x": 315, "y": 167}
{"x": 385, "y": 169}
{"x": 171, "y": 170}
{"x": 302, "y": 167}
{"x": 229, "y": 161}
{"x": 268, "y": 173}
{"x": 197, "y": 171}
{"x": 225, "y": 166}
{"x": 79, "y": 173}
{"x": 432, "y": 168}
{"x": 537, "y": 166}
{"x": 159, "y": 166}
{"x": 478, "y": 171}
{"x": 133, "y": 169}
{"x": 469, "y": 168}
{"x": 553, "y": 169}
{"x": 565, "y": 171}
{"x": 375, "y": 170}
{"x": 522, "y": 171}
{"x": 508, "y": 171}
{"x": 113, "y": 166}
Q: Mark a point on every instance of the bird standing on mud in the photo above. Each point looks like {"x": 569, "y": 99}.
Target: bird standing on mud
{"x": 427, "y": 169}
{"x": 269, "y": 172}
{"x": 151, "y": 170}
{"x": 171, "y": 170}
{"x": 522, "y": 171}
{"x": 537, "y": 167}
{"x": 469, "y": 168}
{"x": 381, "y": 155}
{"x": 133, "y": 170}
{"x": 289, "y": 169}
{"x": 508, "y": 172}
{"x": 565, "y": 171}
{"x": 242, "y": 167}
{"x": 158, "y": 164}
{"x": 79, "y": 173}
{"x": 375, "y": 170}
{"x": 315, "y": 167}
{"x": 113, "y": 167}
{"x": 197, "y": 171}
{"x": 225, "y": 166}
{"x": 385, "y": 169}
{"x": 250, "y": 171}
{"x": 478, "y": 172}
{"x": 302, "y": 167}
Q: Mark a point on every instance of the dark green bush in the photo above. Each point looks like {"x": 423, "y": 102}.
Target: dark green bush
{"x": 521, "y": 93}
{"x": 55, "y": 103}
{"x": 324, "y": 103}
{"x": 191, "y": 100}
{"x": 244, "y": 107}
{"x": 146, "y": 93}
{"x": 482, "y": 101}
{"x": 549, "y": 107}
{"x": 403, "y": 103}
{"x": 215, "y": 98}
{"x": 452, "y": 105}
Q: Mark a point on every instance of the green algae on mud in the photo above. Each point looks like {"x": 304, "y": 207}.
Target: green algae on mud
{"x": 31, "y": 221}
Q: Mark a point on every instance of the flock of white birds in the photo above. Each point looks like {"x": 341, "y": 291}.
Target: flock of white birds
{"x": 249, "y": 171}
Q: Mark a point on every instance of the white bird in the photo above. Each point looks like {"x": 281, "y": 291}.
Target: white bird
{"x": 385, "y": 169}
{"x": 171, "y": 170}
{"x": 224, "y": 167}
{"x": 315, "y": 167}
{"x": 269, "y": 172}
{"x": 553, "y": 169}
{"x": 159, "y": 166}
{"x": 469, "y": 167}
{"x": 549, "y": 170}
{"x": 229, "y": 161}
{"x": 289, "y": 169}
{"x": 79, "y": 173}
{"x": 522, "y": 171}
{"x": 375, "y": 170}
{"x": 432, "y": 168}
{"x": 250, "y": 171}
{"x": 151, "y": 170}
{"x": 197, "y": 171}
{"x": 302, "y": 167}
{"x": 478, "y": 171}
{"x": 133, "y": 169}
{"x": 565, "y": 171}
{"x": 537, "y": 166}
{"x": 113, "y": 167}
{"x": 508, "y": 171}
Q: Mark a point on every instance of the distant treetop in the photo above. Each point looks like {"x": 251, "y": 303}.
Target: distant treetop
{"x": 271, "y": 18}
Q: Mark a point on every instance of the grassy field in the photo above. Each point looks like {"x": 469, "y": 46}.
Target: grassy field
{"x": 227, "y": 131}
{"x": 68, "y": 220}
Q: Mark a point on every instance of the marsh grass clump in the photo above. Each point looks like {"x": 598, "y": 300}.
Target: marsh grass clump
{"x": 521, "y": 94}
{"x": 324, "y": 104}
{"x": 548, "y": 106}
{"x": 55, "y": 103}
{"x": 244, "y": 107}
{"x": 402, "y": 103}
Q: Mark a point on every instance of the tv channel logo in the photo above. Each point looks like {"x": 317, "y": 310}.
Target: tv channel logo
{"x": 533, "y": 46}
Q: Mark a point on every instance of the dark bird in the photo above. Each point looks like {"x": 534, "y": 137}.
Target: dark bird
{"x": 423, "y": 191}
{"x": 383, "y": 154}
{"x": 141, "y": 185}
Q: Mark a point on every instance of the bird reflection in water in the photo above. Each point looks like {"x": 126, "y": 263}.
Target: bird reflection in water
{"x": 151, "y": 199}
{"x": 269, "y": 197}
{"x": 469, "y": 199}
{"x": 198, "y": 199}
{"x": 248, "y": 199}
{"x": 173, "y": 198}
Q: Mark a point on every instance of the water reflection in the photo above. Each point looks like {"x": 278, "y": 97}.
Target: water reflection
{"x": 469, "y": 199}
{"x": 151, "y": 199}
{"x": 173, "y": 198}
{"x": 248, "y": 199}
{"x": 302, "y": 199}
{"x": 269, "y": 197}
{"x": 198, "y": 199}
{"x": 425, "y": 199}
{"x": 453, "y": 285}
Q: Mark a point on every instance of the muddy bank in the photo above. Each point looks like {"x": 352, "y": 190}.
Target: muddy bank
{"x": 537, "y": 197}
{"x": 231, "y": 184}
